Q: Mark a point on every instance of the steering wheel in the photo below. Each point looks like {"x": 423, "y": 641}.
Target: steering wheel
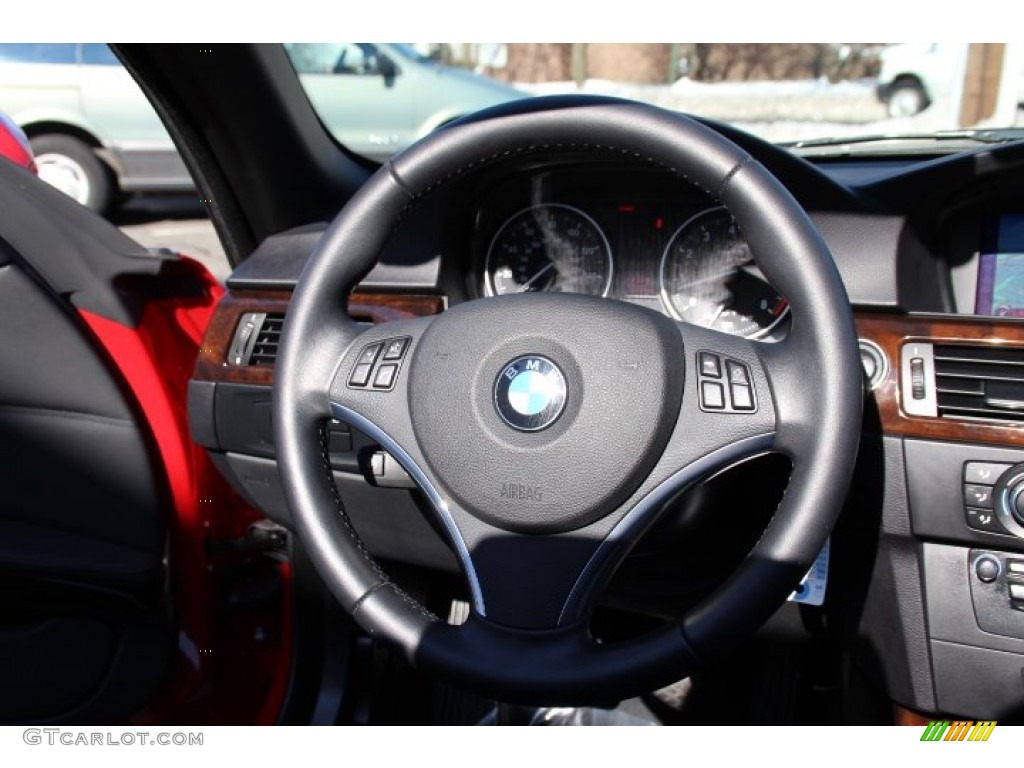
{"x": 548, "y": 431}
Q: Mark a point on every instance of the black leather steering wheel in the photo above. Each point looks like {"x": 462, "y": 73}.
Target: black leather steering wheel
{"x": 547, "y": 448}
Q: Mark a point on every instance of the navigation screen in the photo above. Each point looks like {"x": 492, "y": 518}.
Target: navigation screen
{"x": 1001, "y": 270}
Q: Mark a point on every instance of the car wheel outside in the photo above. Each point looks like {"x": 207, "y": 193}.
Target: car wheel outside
{"x": 906, "y": 99}
{"x": 71, "y": 166}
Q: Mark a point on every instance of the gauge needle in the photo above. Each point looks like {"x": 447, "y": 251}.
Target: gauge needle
{"x": 718, "y": 314}
{"x": 543, "y": 271}
{"x": 708, "y": 279}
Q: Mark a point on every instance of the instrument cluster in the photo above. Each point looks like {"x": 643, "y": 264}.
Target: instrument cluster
{"x": 636, "y": 235}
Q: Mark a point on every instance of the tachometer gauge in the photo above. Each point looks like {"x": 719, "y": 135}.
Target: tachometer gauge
{"x": 549, "y": 247}
{"x": 708, "y": 278}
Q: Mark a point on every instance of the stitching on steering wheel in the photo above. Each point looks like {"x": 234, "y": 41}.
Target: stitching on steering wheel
{"x": 385, "y": 580}
{"x": 729, "y": 176}
{"x": 498, "y": 156}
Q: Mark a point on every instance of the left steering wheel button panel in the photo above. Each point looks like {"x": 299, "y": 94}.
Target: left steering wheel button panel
{"x": 382, "y": 370}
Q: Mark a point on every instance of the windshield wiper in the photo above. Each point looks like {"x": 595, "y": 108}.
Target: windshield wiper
{"x": 901, "y": 142}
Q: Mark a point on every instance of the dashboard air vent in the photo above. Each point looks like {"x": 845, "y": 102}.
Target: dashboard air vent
{"x": 264, "y": 351}
{"x": 256, "y": 339}
{"x": 980, "y": 382}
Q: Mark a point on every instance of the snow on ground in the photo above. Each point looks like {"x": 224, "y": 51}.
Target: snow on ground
{"x": 775, "y": 110}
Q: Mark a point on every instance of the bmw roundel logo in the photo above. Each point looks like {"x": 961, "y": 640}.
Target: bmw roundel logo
{"x": 530, "y": 393}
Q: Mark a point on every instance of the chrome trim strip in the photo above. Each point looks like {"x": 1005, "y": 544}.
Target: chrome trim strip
{"x": 363, "y": 424}
{"x": 881, "y": 359}
{"x": 652, "y": 503}
{"x": 1002, "y": 507}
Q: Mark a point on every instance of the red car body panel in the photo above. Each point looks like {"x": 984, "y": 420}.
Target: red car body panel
{"x": 231, "y": 667}
{"x": 14, "y": 144}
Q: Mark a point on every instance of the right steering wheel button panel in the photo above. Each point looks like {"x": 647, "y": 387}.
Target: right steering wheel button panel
{"x": 734, "y": 396}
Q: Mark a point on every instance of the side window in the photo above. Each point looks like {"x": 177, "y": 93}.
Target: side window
{"x": 38, "y": 53}
{"x": 334, "y": 58}
{"x": 99, "y": 53}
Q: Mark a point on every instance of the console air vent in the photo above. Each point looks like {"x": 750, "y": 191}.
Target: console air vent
{"x": 256, "y": 339}
{"x": 980, "y": 382}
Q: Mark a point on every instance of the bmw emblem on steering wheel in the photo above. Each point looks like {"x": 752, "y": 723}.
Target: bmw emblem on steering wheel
{"x": 529, "y": 393}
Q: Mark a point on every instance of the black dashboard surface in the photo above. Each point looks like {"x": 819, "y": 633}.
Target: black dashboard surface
{"x": 898, "y": 231}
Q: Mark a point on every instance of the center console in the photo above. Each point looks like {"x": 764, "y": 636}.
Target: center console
{"x": 955, "y": 398}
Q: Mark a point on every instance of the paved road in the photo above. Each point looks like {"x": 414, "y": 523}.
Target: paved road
{"x": 175, "y": 222}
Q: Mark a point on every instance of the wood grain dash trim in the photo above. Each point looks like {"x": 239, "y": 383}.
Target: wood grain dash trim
{"x": 890, "y": 332}
{"x": 212, "y": 364}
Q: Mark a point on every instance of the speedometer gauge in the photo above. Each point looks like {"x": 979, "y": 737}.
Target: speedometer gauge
{"x": 549, "y": 248}
{"x": 708, "y": 278}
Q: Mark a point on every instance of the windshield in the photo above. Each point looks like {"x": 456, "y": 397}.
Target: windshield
{"x": 807, "y": 95}
{"x": 409, "y": 52}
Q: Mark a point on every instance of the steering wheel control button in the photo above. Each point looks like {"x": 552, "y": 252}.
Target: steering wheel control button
{"x": 385, "y": 378}
{"x": 987, "y": 569}
{"x": 1016, "y": 591}
{"x": 710, "y": 365}
{"x": 712, "y": 395}
{"x": 369, "y": 354}
{"x": 983, "y": 473}
{"x": 737, "y": 373}
{"x": 742, "y": 400}
{"x": 979, "y": 496}
{"x": 360, "y": 375}
{"x": 737, "y": 396}
{"x": 395, "y": 348}
{"x": 529, "y": 393}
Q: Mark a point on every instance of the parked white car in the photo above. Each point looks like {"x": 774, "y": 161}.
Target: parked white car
{"x": 913, "y": 75}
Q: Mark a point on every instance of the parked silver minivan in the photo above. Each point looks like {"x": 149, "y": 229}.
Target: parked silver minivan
{"x": 94, "y": 133}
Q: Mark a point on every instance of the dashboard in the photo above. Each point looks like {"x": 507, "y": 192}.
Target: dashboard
{"x": 932, "y": 256}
